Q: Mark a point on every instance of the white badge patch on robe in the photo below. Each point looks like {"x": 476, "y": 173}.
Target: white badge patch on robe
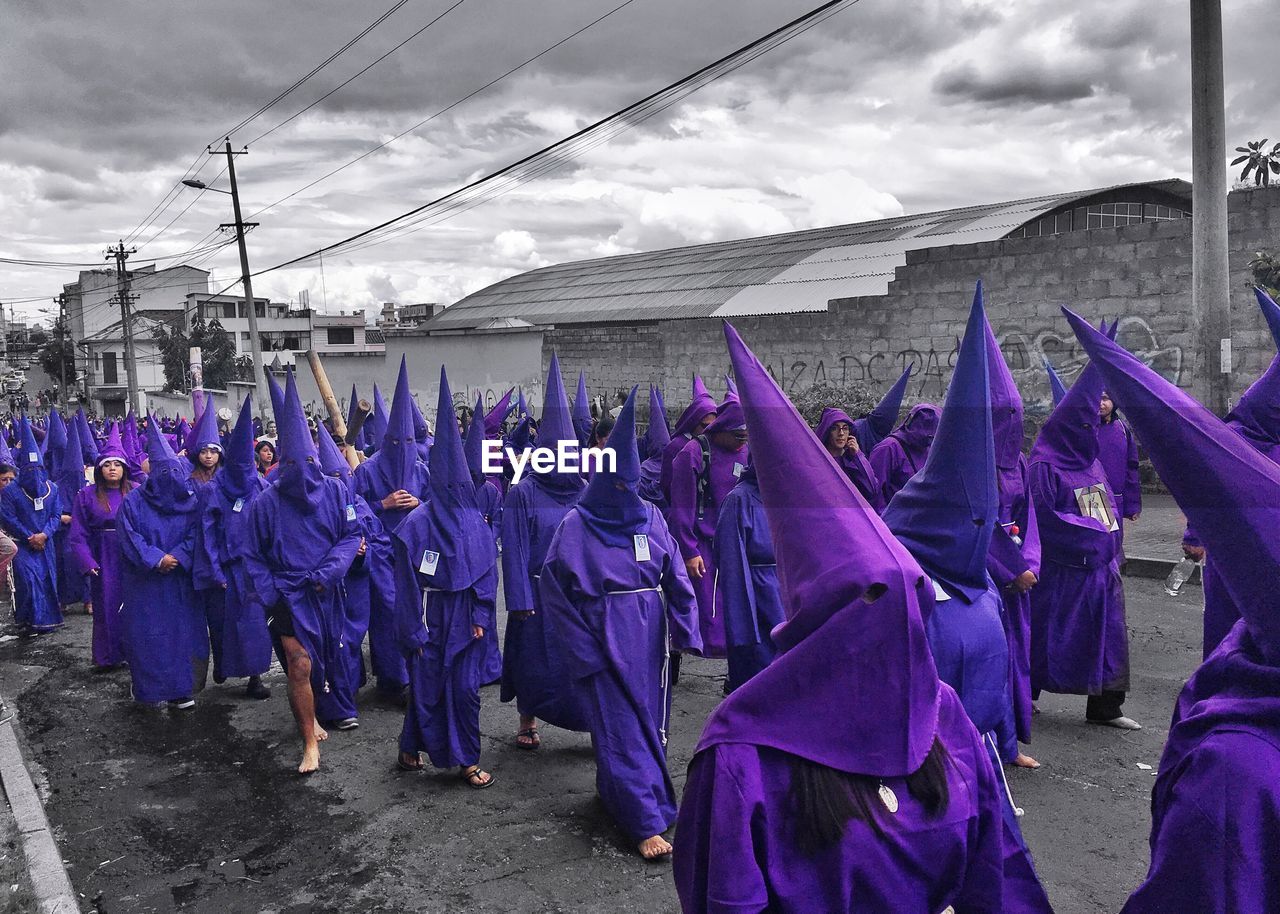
{"x": 1094, "y": 501}
{"x": 238, "y": 506}
{"x": 39, "y": 503}
{"x": 737, "y": 470}
{"x": 939, "y": 595}
{"x": 351, "y": 512}
{"x": 888, "y": 798}
{"x": 642, "y": 547}
{"x": 429, "y": 562}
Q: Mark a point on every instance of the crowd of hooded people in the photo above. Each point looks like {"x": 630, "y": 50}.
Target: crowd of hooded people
{"x": 891, "y": 599}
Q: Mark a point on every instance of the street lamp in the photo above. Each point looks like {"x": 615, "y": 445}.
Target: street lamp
{"x": 255, "y": 343}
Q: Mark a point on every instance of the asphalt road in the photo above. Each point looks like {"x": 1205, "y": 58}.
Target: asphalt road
{"x": 200, "y": 811}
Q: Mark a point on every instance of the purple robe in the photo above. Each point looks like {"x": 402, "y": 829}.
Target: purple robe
{"x": 900, "y": 456}
{"x": 616, "y": 618}
{"x": 164, "y": 621}
{"x": 693, "y": 532}
{"x": 294, "y": 546}
{"x": 374, "y": 482}
{"x": 371, "y": 597}
{"x": 489, "y": 499}
{"x": 1079, "y": 643}
{"x": 237, "y": 623}
{"x": 748, "y": 583}
{"x": 736, "y": 849}
{"x": 1118, "y": 454}
{"x": 533, "y": 668}
{"x": 1215, "y": 807}
{"x": 95, "y": 547}
{"x": 446, "y": 664}
{"x": 1012, "y": 554}
{"x": 35, "y": 574}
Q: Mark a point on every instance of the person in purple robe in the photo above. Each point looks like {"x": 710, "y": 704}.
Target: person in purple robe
{"x": 421, "y": 431}
{"x": 900, "y": 456}
{"x": 748, "y": 580}
{"x": 835, "y": 431}
{"x": 1255, "y": 418}
{"x": 489, "y": 499}
{"x": 446, "y": 598}
{"x": 1079, "y": 641}
{"x": 370, "y": 584}
{"x": 617, "y": 600}
{"x": 375, "y": 426}
{"x": 1057, "y": 389}
{"x": 885, "y": 801}
{"x": 30, "y": 515}
{"x": 878, "y": 424}
{"x": 68, "y": 473}
{"x": 1118, "y": 454}
{"x": 1215, "y": 806}
{"x": 302, "y": 538}
{"x": 165, "y": 634}
{"x": 95, "y": 548}
{"x": 695, "y": 419}
{"x": 533, "y": 668}
{"x": 395, "y": 480}
{"x": 204, "y": 448}
{"x": 1013, "y": 561}
{"x": 702, "y": 475}
{"x": 238, "y": 634}
{"x": 946, "y": 515}
{"x": 88, "y": 443}
{"x": 656, "y": 438}
{"x": 581, "y": 411}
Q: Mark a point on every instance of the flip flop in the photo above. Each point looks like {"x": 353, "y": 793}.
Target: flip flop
{"x": 405, "y": 766}
{"x": 475, "y": 772}
{"x": 531, "y": 734}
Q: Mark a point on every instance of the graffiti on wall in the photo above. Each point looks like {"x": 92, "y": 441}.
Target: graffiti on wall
{"x": 1025, "y": 350}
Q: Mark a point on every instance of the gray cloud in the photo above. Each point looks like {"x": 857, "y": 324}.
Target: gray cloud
{"x": 1016, "y": 85}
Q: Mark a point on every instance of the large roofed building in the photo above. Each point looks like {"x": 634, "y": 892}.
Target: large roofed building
{"x": 790, "y": 272}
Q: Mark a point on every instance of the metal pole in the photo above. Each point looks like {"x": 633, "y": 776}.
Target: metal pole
{"x": 126, "y": 324}
{"x": 255, "y": 344}
{"x": 61, "y": 301}
{"x": 1210, "y": 273}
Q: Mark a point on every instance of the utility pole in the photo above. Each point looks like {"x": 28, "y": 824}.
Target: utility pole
{"x": 255, "y": 342}
{"x": 61, "y": 302}
{"x": 126, "y": 323}
{"x": 1210, "y": 272}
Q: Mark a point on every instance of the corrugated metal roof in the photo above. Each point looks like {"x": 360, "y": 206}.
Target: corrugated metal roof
{"x": 772, "y": 274}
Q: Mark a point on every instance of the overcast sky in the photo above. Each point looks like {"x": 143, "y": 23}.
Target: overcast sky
{"x": 885, "y": 108}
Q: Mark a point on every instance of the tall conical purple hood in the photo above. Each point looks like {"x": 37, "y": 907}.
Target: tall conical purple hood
{"x": 700, "y": 405}
{"x": 1270, "y": 311}
{"x": 1006, "y": 401}
{"x": 1256, "y": 415}
{"x": 494, "y": 418}
{"x": 203, "y": 435}
{"x": 945, "y": 513}
{"x": 55, "y": 442}
{"x": 581, "y": 411}
{"x": 69, "y": 473}
{"x": 1056, "y": 387}
{"x": 299, "y": 477}
{"x": 375, "y": 427}
{"x": 730, "y": 389}
{"x": 611, "y": 505}
{"x": 657, "y": 436}
{"x": 277, "y": 398}
{"x": 854, "y": 643}
{"x": 6, "y": 455}
{"x": 878, "y": 424}
{"x": 332, "y": 463}
{"x": 168, "y": 488}
{"x": 1069, "y": 438}
{"x": 555, "y": 426}
{"x": 33, "y": 475}
{"x": 399, "y": 451}
{"x": 239, "y": 472}
{"x": 352, "y": 405}
{"x": 473, "y": 442}
{"x": 454, "y": 526}
{"x": 113, "y": 448}
{"x": 522, "y": 408}
{"x": 88, "y": 445}
{"x": 1229, "y": 492}
{"x": 421, "y": 431}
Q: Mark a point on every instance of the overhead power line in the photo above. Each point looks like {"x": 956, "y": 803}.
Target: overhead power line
{"x": 558, "y": 154}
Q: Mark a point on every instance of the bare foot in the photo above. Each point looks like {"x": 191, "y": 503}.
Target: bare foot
{"x": 655, "y": 847}
{"x": 1025, "y": 761}
{"x": 310, "y": 759}
{"x": 321, "y": 733}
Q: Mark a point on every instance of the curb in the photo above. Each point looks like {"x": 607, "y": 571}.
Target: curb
{"x": 1157, "y": 569}
{"x": 49, "y": 879}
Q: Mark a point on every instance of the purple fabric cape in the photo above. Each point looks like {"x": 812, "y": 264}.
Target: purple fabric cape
{"x": 606, "y": 613}
{"x": 854, "y": 463}
{"x": 900, "y": 456}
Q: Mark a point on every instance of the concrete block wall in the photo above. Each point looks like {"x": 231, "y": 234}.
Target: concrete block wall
{"x": 1140, "y": 274}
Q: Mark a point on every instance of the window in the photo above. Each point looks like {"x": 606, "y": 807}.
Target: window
{"x": 228, "y": 309}
{"x": 244, "y": 336}
{"x": 109, "y": 375}
{"x": 342, "y": 336}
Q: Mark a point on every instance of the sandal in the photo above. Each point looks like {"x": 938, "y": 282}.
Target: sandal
{"x": 528, "y": 739}
{"x": 477, "y": 779}
{"x": 415, "y": 765}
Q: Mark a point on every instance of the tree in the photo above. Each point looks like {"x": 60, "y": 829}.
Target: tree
{"x": 855, "y": 399}
{"x": 1262, "y": 164}
{"x": 58, "y": 351}
{"x": 1266, "y": 272}
{"x": 217, "y": 352}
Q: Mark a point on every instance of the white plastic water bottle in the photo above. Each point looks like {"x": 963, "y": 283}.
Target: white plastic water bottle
{"x": 1180, "y": 575}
